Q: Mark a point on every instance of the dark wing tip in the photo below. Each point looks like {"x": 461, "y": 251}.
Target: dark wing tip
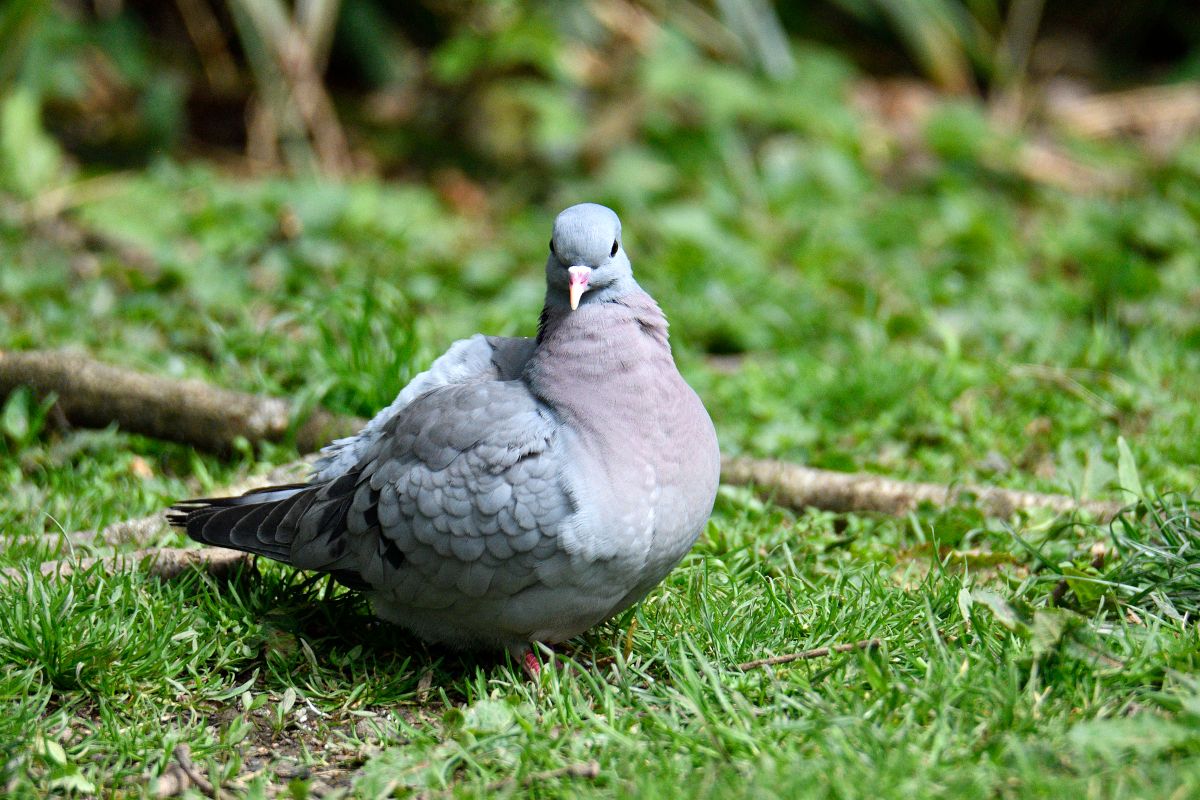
{"x": 214, "y": 520}
{"x": 263, "y": 521}
{"x": 179, "y": 514}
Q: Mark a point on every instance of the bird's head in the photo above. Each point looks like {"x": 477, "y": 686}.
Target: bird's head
{"x": 587, "y": 263}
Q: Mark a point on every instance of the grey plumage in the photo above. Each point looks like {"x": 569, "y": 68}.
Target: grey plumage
{"x": 520, "y": 490}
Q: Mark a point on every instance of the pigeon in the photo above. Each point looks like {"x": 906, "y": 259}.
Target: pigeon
{"x": 519, "y": 491}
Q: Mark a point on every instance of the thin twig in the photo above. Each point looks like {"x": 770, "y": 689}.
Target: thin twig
{"x": 183, "y": 755}
{"x": 317, "y": 21}
{"x": 800, "y": 487}
{"x": 293, "y": 76}
{"x": 205, "y": 33}
{"x": 1060, "y": 378}
{"x": 145, "y": 531}
{"x": 817, "y": 652}
{"x": 161, "y": 562}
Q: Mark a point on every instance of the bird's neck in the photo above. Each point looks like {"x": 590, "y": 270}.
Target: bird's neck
{"x": 602, "y": 358}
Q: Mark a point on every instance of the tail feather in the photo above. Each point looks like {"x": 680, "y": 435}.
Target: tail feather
{"x": 248, "y": 528}
{"x": 238, "y": 522}
{"x": 280, "y": 510}
{"x": 268, "y": 521}
{"x": 291, "y": 518}
{"x": 220, "y": 528}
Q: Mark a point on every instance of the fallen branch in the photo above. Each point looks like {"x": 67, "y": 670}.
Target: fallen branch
{"x": 800, "y": 487}
{"x": 160, "y": 562}
{"x": 898, "y": 110}
{"x": 93, "y": 394}
{"x": 1151, "y": 112}
{"x": 172, "y": 782}
{"x": 816, "y": 652}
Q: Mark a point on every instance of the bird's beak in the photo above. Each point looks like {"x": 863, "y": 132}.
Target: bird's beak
{"x": 578, "y": 283}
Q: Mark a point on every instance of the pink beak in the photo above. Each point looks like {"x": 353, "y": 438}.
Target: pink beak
{"x": 578, "y": 283}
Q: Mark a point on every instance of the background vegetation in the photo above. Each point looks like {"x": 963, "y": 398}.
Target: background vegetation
{"x": 921, "y": 239}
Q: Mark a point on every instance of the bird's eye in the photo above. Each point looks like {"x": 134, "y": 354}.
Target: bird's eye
{"x": 614, "y": 250}
{"x": 552, "y": 249}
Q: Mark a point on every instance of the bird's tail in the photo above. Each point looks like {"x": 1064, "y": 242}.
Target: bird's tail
{"x": 250, "y": 522}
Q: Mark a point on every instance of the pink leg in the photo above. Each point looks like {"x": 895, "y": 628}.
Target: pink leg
{"x": 533, "y": 667}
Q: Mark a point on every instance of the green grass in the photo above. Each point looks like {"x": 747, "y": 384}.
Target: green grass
{"x": 947, "y": 321}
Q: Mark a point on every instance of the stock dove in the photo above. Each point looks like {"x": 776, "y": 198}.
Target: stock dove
{"x": 520, "y": 490}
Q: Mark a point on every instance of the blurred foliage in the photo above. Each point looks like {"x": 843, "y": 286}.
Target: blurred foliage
{"x": 504, "y": 88}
